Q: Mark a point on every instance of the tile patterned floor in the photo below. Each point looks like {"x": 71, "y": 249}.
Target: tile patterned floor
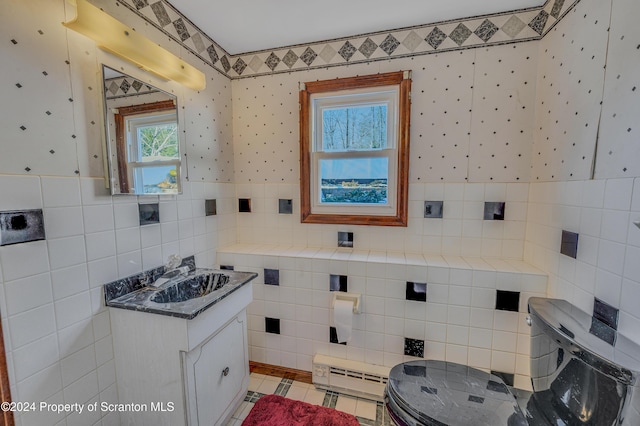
{"x": 368, "y": 412}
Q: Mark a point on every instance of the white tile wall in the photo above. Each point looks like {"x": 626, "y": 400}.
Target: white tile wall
{"x": 605, "y": 266}
{"x": 570, "y": 84}
{"x": 55, "y": 319}
{"x": 459, "y": 321}
{"x": 461, "y": 231}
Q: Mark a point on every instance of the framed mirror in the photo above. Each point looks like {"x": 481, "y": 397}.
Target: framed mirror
{"x": 142, "y": 134}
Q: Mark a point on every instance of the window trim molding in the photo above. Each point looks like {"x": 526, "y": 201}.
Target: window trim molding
{"x": 403, "y": 80}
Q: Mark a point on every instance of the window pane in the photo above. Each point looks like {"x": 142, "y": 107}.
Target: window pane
{"x": 157, "y": 179}
{"x": 354, "y": 128}
{"x": 354, "y": 181}
{"x": 158, "y": 142}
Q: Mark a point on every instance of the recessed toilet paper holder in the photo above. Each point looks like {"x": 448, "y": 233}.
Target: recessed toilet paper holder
{"x": 351, "y": 297}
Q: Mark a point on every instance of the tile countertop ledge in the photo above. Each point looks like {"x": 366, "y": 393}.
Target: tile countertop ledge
{"x": 140, "y": 299}
{"x": 494, "y": 264}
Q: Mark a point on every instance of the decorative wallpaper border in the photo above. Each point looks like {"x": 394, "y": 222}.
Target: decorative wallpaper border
{"x": 123, "y": 87}
{"x": 487, "y": 30}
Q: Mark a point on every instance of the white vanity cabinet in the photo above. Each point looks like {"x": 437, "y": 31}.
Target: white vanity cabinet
{"x": 181, "y": 371}
{"x": 215, "y": 372}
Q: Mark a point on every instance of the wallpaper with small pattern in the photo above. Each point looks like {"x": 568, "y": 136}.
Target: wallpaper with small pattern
{"x": 471, "y": 116}
{"x": 570, "y": 83}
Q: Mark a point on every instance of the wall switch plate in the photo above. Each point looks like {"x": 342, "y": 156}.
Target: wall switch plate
{"x": 21, "y": 226}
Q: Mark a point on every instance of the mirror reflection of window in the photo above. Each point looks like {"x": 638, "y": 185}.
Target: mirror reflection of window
{"x": 143, "y": 136}
{"x": 154, "y": 154}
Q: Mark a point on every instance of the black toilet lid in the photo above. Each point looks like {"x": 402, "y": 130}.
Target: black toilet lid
{"x": 445, "y": 393}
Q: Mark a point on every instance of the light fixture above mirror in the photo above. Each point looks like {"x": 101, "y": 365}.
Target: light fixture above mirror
{"x": 116, "y": 38}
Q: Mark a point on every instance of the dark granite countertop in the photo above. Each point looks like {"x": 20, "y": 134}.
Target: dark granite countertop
{"x": 131, "y": 293}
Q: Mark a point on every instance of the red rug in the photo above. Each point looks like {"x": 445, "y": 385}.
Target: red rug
{"x": 275, "y": 410}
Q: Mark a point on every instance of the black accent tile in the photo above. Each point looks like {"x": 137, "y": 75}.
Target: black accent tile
{"x": 272, "y": 325}
{"x": 338, "y": 283}
{"x": 414, "y": 347}
{"x": 345, "y": 239}
{"x": 227, "y": 267}
{"x": 333, "y": 336}
{"x": 149, "y": 213}
{"x": 569, "y": 244}
{"x": 21, "y": 226}
{"x": 272, "y": 276}
{"x": 210, "y": 207}
{"x": 433, "y": 209}
{"x": 605, "y": 313}
{"x": 244, "y": 205}
{"x": 285, "y": 206}
{"x": 477, "y": 399}
{"x": 507, "y": 378}
{"x": 416, "y": 291}
{"x": 493, "y": 210}
{"x": 507, "y": 300}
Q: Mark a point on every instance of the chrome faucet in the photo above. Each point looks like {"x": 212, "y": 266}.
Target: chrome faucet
{"x": 172, "y": 270}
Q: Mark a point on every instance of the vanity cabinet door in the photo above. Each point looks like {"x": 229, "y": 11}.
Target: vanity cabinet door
{"x": 217, "y": 370}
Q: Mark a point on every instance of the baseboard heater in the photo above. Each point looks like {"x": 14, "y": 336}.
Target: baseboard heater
{"x": 350, "y": 377}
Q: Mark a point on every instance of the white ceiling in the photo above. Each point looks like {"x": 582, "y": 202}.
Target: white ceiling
{"x": 242, "y": 26}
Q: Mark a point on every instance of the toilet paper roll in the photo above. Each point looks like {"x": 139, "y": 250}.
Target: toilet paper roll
{"x": 343, "y": 319}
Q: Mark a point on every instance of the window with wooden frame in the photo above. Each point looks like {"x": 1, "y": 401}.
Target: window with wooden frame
{"x": 354, "y": 150}
{"x": 148, "y": 148}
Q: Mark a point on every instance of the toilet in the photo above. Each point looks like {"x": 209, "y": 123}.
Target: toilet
{"x": 583, "y": 373}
